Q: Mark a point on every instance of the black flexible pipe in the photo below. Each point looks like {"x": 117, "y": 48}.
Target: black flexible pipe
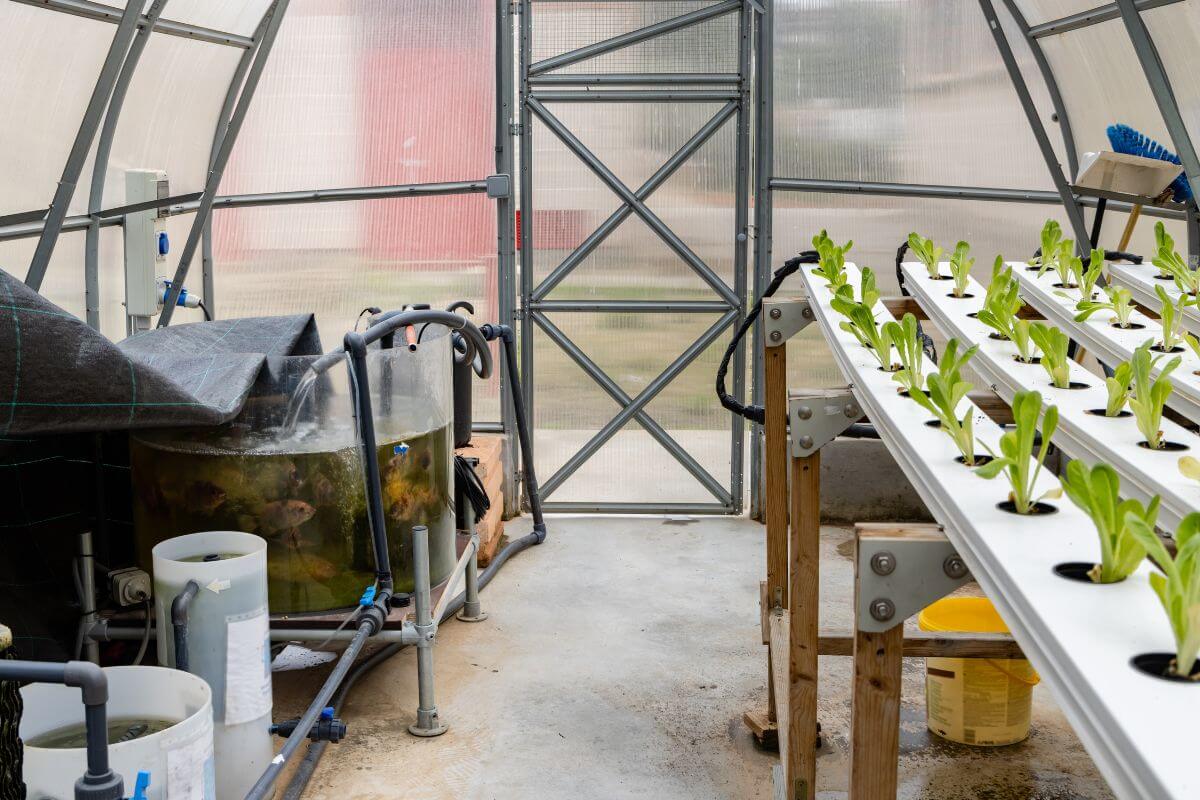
{"x": 99, "y": 782}
{"x": 316, "y": 750}
{"x": 730, "y": 403}
{"x": 179, "y": 622}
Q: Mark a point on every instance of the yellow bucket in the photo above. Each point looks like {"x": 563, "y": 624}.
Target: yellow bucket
{"x": 976, "y": 701}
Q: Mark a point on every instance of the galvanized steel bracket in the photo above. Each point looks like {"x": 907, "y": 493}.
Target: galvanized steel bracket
{"x": 817, "y": 416}
{"x": 498, "y": 186}
{"x": 783, "y": 318}
{"x": 899, "y": 575}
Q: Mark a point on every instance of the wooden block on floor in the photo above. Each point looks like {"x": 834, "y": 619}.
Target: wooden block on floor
{"x": 489, "y": 450}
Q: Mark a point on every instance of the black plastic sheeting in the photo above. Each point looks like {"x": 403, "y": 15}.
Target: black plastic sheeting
{"x": 57, "y": 375}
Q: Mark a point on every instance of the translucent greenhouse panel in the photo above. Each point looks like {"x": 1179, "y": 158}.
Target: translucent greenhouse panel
{"x": 633, "y": 140}
{"x": 874, "y": 90}
{"x": 707, "y": 47}
{"x": 372, "y": 93}
{"x": 1102, "y": 83}
{"x": 50, "y": 62}
{"x": 1038, "y": 11}
{"x": 169, "y": 116}
{"x": 63, "y": 284}
{"x": 336, "y": 259}
{"x": 1176, "y": 32}
{"x": 228, "y": 16}
{"x": 632, "y": 349}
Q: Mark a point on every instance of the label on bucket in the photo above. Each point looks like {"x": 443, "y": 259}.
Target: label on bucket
{"x": 247, "y": 669}
{"x": 979, "y": 701}
{"x": 190, "y": 774}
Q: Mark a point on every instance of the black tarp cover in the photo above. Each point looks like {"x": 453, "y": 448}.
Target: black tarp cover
{"x": 57, "y": 375}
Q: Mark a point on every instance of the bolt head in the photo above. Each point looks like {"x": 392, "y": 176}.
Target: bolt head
{"x": 776, "y": 313}
{"x": 882, "y": 610}
{"x": 804, "y": 412}
{"x": 954, "y": 567}
{"x": 776, "y": 336}
{"x": 851, "y": 411}
{"x": 806, "y": 442}
{"x": 883, "y": 563}
{"x": 807, "y": 313}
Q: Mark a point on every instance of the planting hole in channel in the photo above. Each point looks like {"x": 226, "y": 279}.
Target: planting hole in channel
{"x": 980, "y": 460}
{"x": 933, "y": 423}
{"x": 963, "y": 296}
{"x": 1066, "y": 286}
{"x": 1076, "y": 571}
{"x": 1158, "y": 348}
{"x": 1073, "y": 385}
{"x": 942, "y": 278}
{"x": 1165, "y": 447}
{"x": 1032, "y": 361}
{"x": 1038, "y": 509}
{"x": 1133, "y": 326}
{"x": 1158, "y": 665}
{"x": 1103, "y": 412}
{"x": 999, "y": 337}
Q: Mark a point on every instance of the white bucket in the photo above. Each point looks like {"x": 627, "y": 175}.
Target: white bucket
{"x": 179, "y": 759}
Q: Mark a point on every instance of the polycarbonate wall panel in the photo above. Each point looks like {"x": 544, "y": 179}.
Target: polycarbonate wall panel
{"x": 1102, "y": 83}
{"x": 1176, "y": 32}
{"x": 372, "y": 93}
{"x": 49, "y": 62}
{"x": 708, "y": 47}
{"x": 875, "y": 90}
{"x": 336, "y": 259}
{"x": 1038, "y": 11}
{"x": 228, "y": 16}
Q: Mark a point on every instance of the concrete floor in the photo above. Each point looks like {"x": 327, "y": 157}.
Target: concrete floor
{"x": 617, "y": 662}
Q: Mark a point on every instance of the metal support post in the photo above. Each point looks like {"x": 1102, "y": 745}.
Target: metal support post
{"x": 1072, "y": 207}
{"x": 741, "y": 246}
{"x": 472, "y": 610}
{"x": 764, "y": 149}
{"x": 525, "y": 134}
{"x": 505, "y": 243}
{"x": 87, "y": 583}
{"x": 428, "y": 724}
{"x": 92, "y": 118}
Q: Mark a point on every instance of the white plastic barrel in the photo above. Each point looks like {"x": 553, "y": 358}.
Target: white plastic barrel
{"x": 228, "y": 642}
{"x": 179, "y": 759}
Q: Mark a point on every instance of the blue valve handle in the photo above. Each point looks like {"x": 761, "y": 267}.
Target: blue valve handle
{"x": 141, "y": 785}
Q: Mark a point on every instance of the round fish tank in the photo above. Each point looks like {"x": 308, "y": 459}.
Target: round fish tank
{"x": 289, "y": 469}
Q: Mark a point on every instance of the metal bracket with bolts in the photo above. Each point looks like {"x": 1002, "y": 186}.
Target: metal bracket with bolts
{"x": 784, "y": 318}
{"x": 817, "y": 416}
{"x": 900, "y": 575}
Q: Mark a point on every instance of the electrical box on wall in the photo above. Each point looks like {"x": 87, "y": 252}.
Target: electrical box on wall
{"x": 145, "y": 243}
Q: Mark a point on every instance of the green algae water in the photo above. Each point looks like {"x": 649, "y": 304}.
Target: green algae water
{"x": 302, "y": 490}
{"x": 119, "y": 730}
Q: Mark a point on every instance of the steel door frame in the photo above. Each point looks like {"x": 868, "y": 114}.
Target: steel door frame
{"x": 539, "y": 84}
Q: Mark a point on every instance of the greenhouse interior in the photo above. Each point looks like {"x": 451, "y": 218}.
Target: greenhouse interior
{"x": 385, "y": 383}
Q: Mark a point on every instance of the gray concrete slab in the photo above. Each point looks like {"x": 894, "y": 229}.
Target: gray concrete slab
{"x": 617, "y": 663}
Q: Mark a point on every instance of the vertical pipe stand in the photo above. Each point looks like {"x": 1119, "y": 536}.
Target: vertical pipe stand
{"x": 472, "y": 610}
{"x": 427, "y": 724}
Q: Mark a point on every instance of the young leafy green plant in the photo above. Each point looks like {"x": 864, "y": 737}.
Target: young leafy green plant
{"x": 1051, "y": 240}
{"x": 1002, "y": 301}
{"x": 1097, "y": 492}
{"x": 1171, "y": 264}
{"x": 1162, "y": 241}
{"x": 960, "y": 268}
{"x": 1171, "y": 317}
{"x": 907, "y": 341}
{"x": 1066, "y": 263}
{"x": 946, "y": 389}
{"x": 1021, "y": 337}
{"x": 1120, "y": 302}
{"x": 1190, "y": 468}
{"x": 1117, "y": 385}
{"x": 1150, "y": 394}
{"x": 861, "y": 323}
{"x": 1085, "y": 278}
{"x": 926, "y": 252}
{"x": 1016, "y": 458}
{"x": 832, "y": 264}
{"x": 1053, "y": 343}
{"x": 1178, "y": 586}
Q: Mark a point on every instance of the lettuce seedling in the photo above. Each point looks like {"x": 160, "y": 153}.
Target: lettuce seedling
{"x": 1085, "y": 278}
{"x": 1053, "y": 343}
{"x": 1150, "y": 394}
{"x": 960, "y": 268}
{"x": 946, "y": 389}
{"x": 1097, "y": 492}
{"x": 1117, "y": 385}
{"x": 1190, "y": 468}
{"x": 1120, "y": 302}
{"x": 1171, "y": 264}
{"x": 1021, "y": 329}
{"x": 1002, "y": 301}
{"x": 1066, "y": 263}
{"x": 1171, "y": 317}
{"x": 860, "y": 322}
{"x": 1178, "y": 586}
{"x": 832, "y": 264}
{"x": 1016, "y": 458}
{"x": 926, "y": 253}
{"x": 1162, "y": 241}
{"x": 1051, "y": 241}
{"x": 907, "y": 341}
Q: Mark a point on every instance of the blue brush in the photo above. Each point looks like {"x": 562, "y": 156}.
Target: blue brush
{"x": 1125, "y": 139}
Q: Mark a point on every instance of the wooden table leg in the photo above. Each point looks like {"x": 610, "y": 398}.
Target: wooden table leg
{"x": 803, "y": 602}
{"x": 775, "y": 490}
{"x": 875, "y": 711}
